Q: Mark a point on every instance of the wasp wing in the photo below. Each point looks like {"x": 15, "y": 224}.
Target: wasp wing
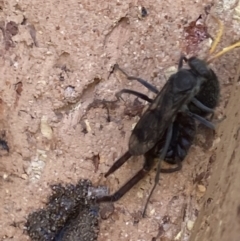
{"x": 152, "y": 125}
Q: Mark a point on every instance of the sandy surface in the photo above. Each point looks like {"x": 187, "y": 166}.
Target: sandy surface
{"x": 56, "y": 57}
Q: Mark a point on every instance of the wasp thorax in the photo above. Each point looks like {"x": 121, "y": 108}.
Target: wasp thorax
{"x": 187, "y": 81}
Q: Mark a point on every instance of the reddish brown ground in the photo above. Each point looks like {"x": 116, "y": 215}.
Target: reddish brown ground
{"x": 58, "y": 62}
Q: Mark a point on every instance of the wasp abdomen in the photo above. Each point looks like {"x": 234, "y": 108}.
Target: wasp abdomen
{"x": 184, "y": 130}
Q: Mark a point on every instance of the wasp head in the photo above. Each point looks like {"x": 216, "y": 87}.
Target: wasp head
{"x": 199, "y": 67}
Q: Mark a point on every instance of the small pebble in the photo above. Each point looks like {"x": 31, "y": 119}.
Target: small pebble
{"x": 190, "y": 225}
{"x": 5, "y": 176}
{"x": 178, "y": 236}
{"x": 46, "y": 130}
{"x": 201, "y": 188}
{"x": 24, "y": 176}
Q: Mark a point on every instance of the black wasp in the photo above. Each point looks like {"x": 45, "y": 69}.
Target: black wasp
{"x": 166, "y": 130}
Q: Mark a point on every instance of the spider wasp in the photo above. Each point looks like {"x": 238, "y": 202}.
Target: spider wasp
{"x": 167, "y": 128}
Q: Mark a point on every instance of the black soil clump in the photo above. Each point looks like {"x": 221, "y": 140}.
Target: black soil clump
{"x": 69, "y": 215}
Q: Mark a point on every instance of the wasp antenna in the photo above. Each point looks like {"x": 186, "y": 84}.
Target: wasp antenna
{"x": 223, "y": 51}
{"x": 219, "y": 35}
{"x": 182, "y": 58}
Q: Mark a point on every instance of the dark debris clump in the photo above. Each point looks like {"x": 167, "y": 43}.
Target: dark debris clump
{"x": 69, "y": 215}
{"x": 4, "y": 145}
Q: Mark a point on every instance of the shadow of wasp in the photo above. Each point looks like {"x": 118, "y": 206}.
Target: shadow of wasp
{"x": 167, "y": 128}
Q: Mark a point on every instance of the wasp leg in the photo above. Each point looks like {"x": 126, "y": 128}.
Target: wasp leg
{"x": 171, "y": 170}
{"x": 202, "y": 120}
{"x": 132, "y": 92}
{"x": 140, "y": 80}
{"x": 202, "y": 106}
{"x": 149, "y": 162}
{"x": 117, "y": 164}
{"x": 162, "y": 156}
{"x": 219, "y": 35}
